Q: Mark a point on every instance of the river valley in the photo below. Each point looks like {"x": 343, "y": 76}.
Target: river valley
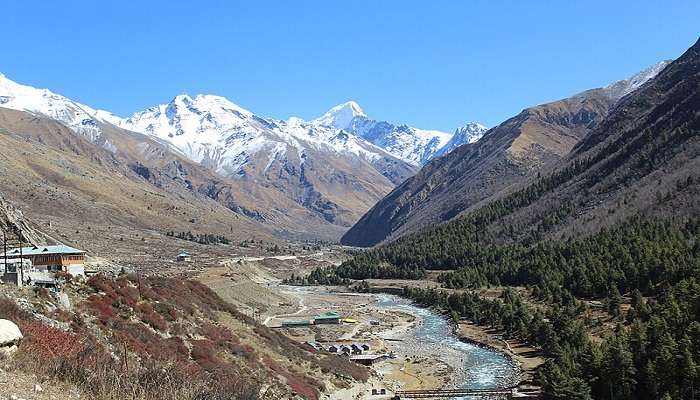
{"x": 426, "y": 354}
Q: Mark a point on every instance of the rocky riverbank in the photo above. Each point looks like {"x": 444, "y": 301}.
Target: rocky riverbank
{"x": 526, "y": 357}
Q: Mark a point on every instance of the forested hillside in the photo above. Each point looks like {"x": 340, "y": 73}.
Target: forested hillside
{"x": 643, "y": 160}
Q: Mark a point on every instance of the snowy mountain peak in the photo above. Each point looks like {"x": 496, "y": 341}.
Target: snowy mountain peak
{"x": 79, "y": 117}
{"x": 469, "y": 133}
{"x": 624, "y": 87}
{"x": 203, "y": 103}
{"x": 341, "y": 115}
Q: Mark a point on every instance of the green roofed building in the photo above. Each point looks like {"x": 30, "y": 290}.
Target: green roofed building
{"x": 330, "y": 317}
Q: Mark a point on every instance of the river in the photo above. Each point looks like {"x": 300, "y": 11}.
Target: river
{"x": 474, "y": 367}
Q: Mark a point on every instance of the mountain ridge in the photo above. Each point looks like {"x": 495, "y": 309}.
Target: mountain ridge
{"x": 529, "y": 143}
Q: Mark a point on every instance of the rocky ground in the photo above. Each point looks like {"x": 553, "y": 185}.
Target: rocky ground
{"x": 16, "y": 385}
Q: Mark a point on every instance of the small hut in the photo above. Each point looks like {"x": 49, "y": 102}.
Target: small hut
{"x": 184, "y": 257}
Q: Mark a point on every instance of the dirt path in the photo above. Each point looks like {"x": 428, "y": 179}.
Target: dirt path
{"x": 302, "y": 308}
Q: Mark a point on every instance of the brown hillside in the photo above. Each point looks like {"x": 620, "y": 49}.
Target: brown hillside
{"x": 527, "y": 144}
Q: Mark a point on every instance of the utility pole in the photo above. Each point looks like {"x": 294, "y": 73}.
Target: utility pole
{"x": 21, "y": 258}
{"x": 4, "y": 248}
{"x": 138, "y": 281}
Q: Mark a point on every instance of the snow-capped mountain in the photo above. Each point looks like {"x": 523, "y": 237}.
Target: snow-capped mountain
{"x": 222, "y": 135}
{"x": 341, "y": 115}
{"x": 214, "y": 131}
{"x": 79, "y": 117}
{"x": 413, "y": 145}
{"x": 469, "y": 133}
{"x": 329, "y": 170}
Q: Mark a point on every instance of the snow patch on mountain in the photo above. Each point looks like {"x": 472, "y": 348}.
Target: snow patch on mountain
{"x": 619, "y": 89}
{"x": 469, "y": 133}
{"x": 216, "y": 132}
{"x": 78, "y": 117}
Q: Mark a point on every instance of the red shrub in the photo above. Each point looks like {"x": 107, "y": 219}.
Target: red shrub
{"x": 301, "y": 387}
{"x": 173, "y": 347}
{"x": 166, "y": 310}
{"x": 203, "y": 354}
{"x": 126, "y": 293}
{"x": 101, "y": 284}
{"x": 244, "y": 351}
{"x": 138, "y": 338}
{"x": 152, "y": 318}
{"x": 218, "y": 335}
{"x": 48, "y": 342}
{"x": 102, "y": 306}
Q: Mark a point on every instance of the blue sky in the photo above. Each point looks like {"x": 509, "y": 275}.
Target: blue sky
{"x": 431, "y": 64}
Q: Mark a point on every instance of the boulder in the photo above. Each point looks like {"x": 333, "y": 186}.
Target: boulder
{"x": 10, "y": 335}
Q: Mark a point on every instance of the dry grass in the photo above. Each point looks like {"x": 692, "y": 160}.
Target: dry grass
{"x": 82, "y": 361}
{"x": 161, "y": 339}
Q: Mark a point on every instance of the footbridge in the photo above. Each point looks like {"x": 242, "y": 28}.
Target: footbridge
{"x": 500, "y": 393}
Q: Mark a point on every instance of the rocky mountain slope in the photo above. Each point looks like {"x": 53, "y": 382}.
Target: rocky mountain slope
{"x": 521, "y": 147}
{"x": 13, "y": 223}
{"x": 641, "y": 163}
{"x": 65, "y": 183}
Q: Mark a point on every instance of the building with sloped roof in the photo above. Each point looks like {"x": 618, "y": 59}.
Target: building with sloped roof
{"x": 52, "y": 259}
{"x": 329, "y": 317}
{"x": 184, "y": 257}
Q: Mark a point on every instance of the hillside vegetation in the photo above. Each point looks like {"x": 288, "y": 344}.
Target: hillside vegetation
{"x": 164, "y": 338}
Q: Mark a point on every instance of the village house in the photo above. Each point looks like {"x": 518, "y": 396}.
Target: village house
{"x": 184, "y": 257}
{"x": 356, "y": 348}
{"x": 50, "y": 259}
